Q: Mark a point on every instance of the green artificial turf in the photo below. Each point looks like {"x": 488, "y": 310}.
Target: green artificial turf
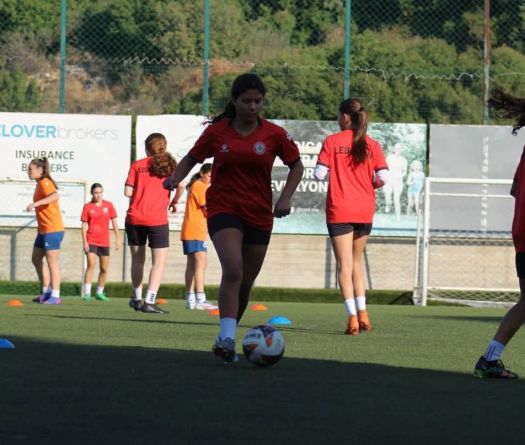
{"x": 97, "y": 373}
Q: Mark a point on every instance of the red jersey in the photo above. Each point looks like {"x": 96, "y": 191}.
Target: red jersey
{"x": 351, "y": 194}
{"x": 242, "y": 169}
{"x": 148, "y": 205}
{"x": 518, "y": 222}
{"x": 97, "y": 217}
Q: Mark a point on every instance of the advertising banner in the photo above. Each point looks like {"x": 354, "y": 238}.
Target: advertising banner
{"x": 80, "y": 148}
{"x": 404, "y": 145}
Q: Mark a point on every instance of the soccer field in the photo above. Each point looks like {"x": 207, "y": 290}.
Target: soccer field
{"x": 92, "y": 372}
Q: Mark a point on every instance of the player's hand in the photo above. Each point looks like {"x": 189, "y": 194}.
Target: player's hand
{"x": 117, "y": 245}
{"x": 86, "y": 247}
{"x": 30, "y": 207}
{"x": 172, "y": 207}
{"x": 169, "y": 184}
{"x": 282, "y": 207}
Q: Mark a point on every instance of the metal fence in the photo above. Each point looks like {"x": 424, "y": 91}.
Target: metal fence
{"x": 409, "y": 60}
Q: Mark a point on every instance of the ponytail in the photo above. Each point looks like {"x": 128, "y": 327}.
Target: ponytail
{"x": 43, "y": 163}
{"x": 162, "y": 163}
{"x": 359, "y": 117}
{"x": 205, "y": 168}
{"x": 512, "y": 107}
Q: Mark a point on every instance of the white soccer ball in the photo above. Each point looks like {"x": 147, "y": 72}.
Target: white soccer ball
{"x": 263, "y": 345}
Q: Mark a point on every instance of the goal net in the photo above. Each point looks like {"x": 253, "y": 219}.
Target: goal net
{"x": 464, "y": 247}
{"x": 18, "y": 230}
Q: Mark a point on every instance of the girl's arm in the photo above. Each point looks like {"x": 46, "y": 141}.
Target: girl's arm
{"x": 178, "y": 193}
{"x": 128, "y": 191}
{"x": 85, "y": 227}
{"x": 118, "y": 241}
{"x": 181, "y": 171}
{"x": 283, "y": 204}
{"x": 52, "y": 197}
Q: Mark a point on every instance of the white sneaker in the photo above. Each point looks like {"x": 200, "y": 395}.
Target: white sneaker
{"x": 190, "y": 304}
{"x": 205, "y": 306}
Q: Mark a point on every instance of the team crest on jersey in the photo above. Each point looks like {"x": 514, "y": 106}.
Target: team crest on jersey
{"x": 259, "y": 148}
{"x": 224, "y": 148}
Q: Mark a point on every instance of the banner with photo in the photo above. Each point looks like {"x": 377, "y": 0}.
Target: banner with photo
{"x": 405, "y": 148}
{"x": 80, "y": 149}
{"x": 404, "y": 145}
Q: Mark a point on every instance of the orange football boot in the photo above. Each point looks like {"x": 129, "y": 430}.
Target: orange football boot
{"x": 364, "y": 321}
{"x": 352, "y": 327}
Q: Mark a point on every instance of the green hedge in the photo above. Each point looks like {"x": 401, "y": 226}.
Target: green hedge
{"x": 176, "y": 291}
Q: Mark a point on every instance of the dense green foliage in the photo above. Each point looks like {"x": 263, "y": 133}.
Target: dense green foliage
{"x": 411, "y": 60}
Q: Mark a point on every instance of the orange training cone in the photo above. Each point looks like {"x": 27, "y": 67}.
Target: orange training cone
{"x": 259, "y": 307}
{"x": 214, "y": 312}
{"x": 15, "y": 303}
{"x": 161, "y": 301}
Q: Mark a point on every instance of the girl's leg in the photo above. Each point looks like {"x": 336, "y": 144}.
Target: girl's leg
{"x": 189, "y": 281}
{"x": 54, "y": 272}
{"x": 159, "y": 257}
{"x": 88, "y": 274}
{"x": 38, "y": 261}
{"x": 358, "y": 279}
{"x": 200, "y": 264}
{"x": 138, "y": 258}
{"x": 513, "y": 320}
{"x": 102, "y": 278}
{"x": 252, "y": 257}
{"x": 342, "y": 246}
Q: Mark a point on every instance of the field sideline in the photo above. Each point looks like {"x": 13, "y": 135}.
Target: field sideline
{"x": 85, "y": 373}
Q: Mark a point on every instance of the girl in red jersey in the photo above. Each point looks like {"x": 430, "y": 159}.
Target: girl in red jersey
{"x": 193, "y": 234}
{"x": 95, "y": 218}
{"x": 147, "y": 219}
{"x": 489, "y": 364}
{"x": 50, "y": 231}
{"x": 357, "y": 167}
{"x": 239, "y": 200}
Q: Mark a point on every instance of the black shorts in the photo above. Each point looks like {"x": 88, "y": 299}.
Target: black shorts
{"x": 99, "y": 250}
{"x": 158, "y": 236}
{"x": 520, "y": 264}
{"x": 252, "y": 235}
{"x": 338, "y": 229}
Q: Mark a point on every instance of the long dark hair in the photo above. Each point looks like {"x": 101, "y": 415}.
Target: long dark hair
{"x": 205, "y": 168}
{"x": 511, "y": 106}
{"x": 242, "y": 83}
{"x": 359, "y": 117}
{"x": 43, "y": 163}
{"x": 162, "y": 163}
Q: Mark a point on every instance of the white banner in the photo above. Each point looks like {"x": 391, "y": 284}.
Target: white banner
{"x": 181, "y": 132}
{"x": 86, "y": 148}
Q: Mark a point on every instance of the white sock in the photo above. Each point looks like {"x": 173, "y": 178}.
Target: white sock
{"x": 228, "y": 328}
{"x": 150, "y": 297}
{"x": 137, "y": 291}
{"x": 45, "y": 289}
{"x": 190, "y": 296}
{"x": 360, "y": 302}
{"x": 100, "y": 289}
{"x": 201, "y": 297}
{"x": 55, "y": 293}
{"x": 494, "y": 351}
{"x": 350, "y": 306}
{"x": 87, "y": 288}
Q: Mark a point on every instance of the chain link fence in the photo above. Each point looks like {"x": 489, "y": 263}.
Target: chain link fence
{"x": 409, "y": 60}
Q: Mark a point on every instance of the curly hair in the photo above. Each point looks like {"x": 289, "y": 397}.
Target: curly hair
{"x": 510, "y": 106}
{"x": 162, "y": 164}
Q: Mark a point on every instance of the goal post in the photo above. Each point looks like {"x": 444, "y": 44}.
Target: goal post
{"x": 464, "y": 249}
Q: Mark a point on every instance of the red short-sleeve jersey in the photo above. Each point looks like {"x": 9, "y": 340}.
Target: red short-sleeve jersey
{"x": 351, "y": 194}
{"x": 97, "y": 217}
{"x": 518, "y": 222}
{"x": 148, "y": 205}
{"x": 242, "y": 167}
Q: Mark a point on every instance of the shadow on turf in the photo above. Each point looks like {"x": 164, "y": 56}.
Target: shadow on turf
{"x": 59, "y": 393}
{"x": 476, "y": 318}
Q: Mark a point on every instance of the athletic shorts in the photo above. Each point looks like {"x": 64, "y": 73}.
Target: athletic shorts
{"x": 99, "y": 250}
{"x": 520, "y": 264}
{"x": 252, "y": 235}
{"x": 192, "y": 246}
{"x": 158, "y": 237}
{"x": 49, "y": 241}
{"x": 338, "y": 229}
